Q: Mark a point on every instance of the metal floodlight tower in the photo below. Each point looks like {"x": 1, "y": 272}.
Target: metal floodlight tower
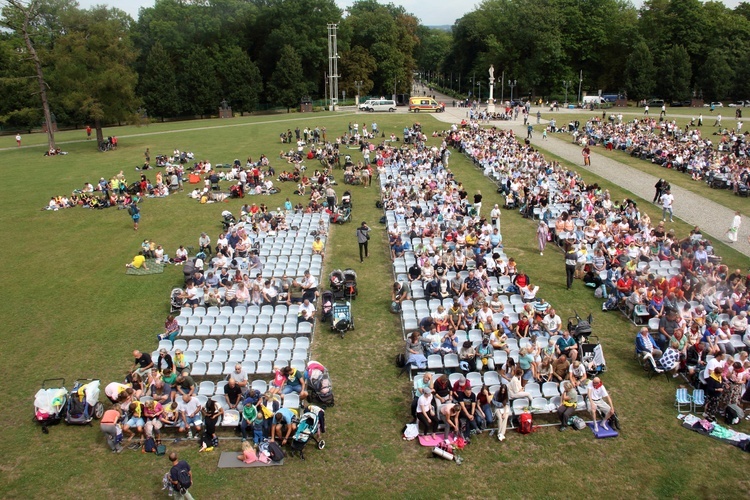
{"x": 333, "y": 65}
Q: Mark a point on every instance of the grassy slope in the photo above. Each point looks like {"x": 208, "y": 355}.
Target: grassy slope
{"x": 70, "y": 311}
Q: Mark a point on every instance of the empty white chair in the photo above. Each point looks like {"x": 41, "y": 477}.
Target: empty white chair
{"x": 299, "y": 353}
{"x": 248, "y": 367}
{"x": 282, "y": 354}
{"x": 286, "y": 343}
{"x": 259, "y": 385}
{"x": 519, "y": 405}
{"x": 302, "y": 343}
{"x": 256, "y": 343}
{"x": 205, "y": 356}
{"x": 246, "y": 329}
{"x": 260, "y": 329}
{"x": 215, "y": 368}
{"x": 550, "y": 389}
{"x": 181, "y": 344}
{"x": 210, "y": 344}
{"x": 202, "y": 331}
{"x": 236, "y": 356}
{"x": 240, "y": 344}
{"x": 165, "y": 344}
{"x": 264, "y": 368}
{"x": 491, "y": 378}
{"x": 271, "y": 343}
{"x": 188, "y": 331}
{"x": 291, "y": 401}
{"x": 226, "y": 344}
{"x": 434, "y": 362}
{"x": 275, "y": 329}
{"x": 198, "y": 369}
{"x": 206, "y": 388}
{"x": 474, "y": 378}
{"x": 268, "y": 355}
{"x": 298, "y": 364}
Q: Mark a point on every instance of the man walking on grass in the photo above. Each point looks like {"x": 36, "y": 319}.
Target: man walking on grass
{"x": 667, "y": 199}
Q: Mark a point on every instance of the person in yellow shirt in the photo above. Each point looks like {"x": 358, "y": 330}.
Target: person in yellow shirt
{"x": 139, "y": 261}
{"x": 317, "y": 247}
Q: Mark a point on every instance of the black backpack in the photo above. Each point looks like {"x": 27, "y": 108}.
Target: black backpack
{"x": 277, "y": 454}
{"x": 400, "y": 360}
{"x": 733, "y": 414}
{"x": 183, "y": 477}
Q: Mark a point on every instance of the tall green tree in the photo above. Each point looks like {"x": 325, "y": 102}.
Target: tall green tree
{"x": 715, "y": 76}
{"x": 357, "y": 65}
{"x": 158, "y": 84}
{"x": 92, "y": 75}
{"x": 199, "y": 88}
{"x": 240, "y": 79}
{"x": 640, "y": 72}
{"x": 287, "y": 85}
{"x": 675, "y": 74}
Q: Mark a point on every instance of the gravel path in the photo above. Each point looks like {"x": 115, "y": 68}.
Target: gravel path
{"x": 713, "y": 219}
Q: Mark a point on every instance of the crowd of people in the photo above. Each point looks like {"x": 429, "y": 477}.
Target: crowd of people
{"x": 455, "y": 260}
{"x": 644, "y": 269}
{"x": 684, "y": 149}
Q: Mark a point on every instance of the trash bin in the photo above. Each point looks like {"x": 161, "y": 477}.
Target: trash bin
{"x": 305, "y": 105}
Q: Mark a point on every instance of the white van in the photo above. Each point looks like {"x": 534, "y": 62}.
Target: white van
{"x": 363, "y": 106}
{"x": 592, "y": 99}
{"x": 381, "y": 105}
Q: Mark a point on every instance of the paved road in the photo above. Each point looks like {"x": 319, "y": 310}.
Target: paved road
{"x": 713, "y": 219}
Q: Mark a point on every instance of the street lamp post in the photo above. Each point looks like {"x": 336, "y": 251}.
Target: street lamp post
{"x": 358, "y": 84}
{"x": 580, "y": 82}
{"x": 566, "y": 83}
{"x": 511, "y": 84}
{"x": 479, "y": 84}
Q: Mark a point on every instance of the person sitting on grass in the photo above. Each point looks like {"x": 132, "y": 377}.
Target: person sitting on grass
{"x": 139, "y": 262}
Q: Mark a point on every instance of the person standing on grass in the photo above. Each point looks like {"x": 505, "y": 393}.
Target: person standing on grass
{"x": 734, "y": 230}
{"x": 363, "y": 236}
{"x": 88, "y": 132}
{"x": 18, "y": 140}
{"x": 667, "y": 199}
{"x": 542, "y": 232}
{"x": 135, "y": 213}
{"x": 571, "y": 257}
{"x": 478, "y": 202}
{"x": 181, "y": 478}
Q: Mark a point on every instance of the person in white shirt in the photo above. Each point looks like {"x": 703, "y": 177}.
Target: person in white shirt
{"x": 310, "y": 286}
{"x": 599, "y": 399}
{"x": 306, "y": 312}
{"x": 190, "y": 414}
{"x": 667, "y": 199}
{"x": 552, "y": 322}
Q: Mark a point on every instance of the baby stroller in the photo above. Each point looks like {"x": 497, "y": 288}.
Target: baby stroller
{"x": 319, "y": 383}
{"x": 582, "y": 329}
{"x": 346, "y": 200}
{"x": 592, "y": 357}
{"x": 227, "y": 219}
{"x": 326, "y": 300}
{"x": 341, "y": 318}
{"x": 350, "y": 284}
{"x": 83, "y": 403}
{"x": 50, "y": 403}
{"x": 310, "y": 424}
{"x": 175, "y": 301}
{"x": 336, "y": 282}
{"x": 341, "y": 215}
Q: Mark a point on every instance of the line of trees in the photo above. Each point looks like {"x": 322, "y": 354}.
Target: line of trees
{"x": 184, "y": 57}
{"x": 673, "y": 49}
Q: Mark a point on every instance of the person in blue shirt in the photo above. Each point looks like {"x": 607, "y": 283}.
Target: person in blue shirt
{"x": 285, "y": 424}
{"x": 646, "y": 345}
{"x": 567, "y": 345}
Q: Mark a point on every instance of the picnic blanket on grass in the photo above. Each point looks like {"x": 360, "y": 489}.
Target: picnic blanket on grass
{"x": 153, "y": 268}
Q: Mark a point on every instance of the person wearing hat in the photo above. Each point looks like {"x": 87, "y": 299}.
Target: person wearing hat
{"x": 363, "y": 237}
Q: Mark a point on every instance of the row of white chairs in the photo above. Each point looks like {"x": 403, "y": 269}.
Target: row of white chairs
{"x": 247, "y": 330}
{"x": 238, "y": 319}
{"x": 263, "y": 367}
{"x": 237, "y": 344}
{"x": 235, "y": 356}
{"x": 239, "y": 310}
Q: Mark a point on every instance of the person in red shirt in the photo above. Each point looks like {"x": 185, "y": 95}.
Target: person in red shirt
{"x": 625, "y": 285}
{"x": 88, "y": 132}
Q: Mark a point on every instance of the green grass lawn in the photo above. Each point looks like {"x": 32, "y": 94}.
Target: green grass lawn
{"x": 71, "y": 311}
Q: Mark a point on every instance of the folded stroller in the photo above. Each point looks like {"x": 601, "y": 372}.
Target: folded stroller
{"x": 50, "y": 403}
{"x": 326, "y": 301}
{"x": 175, "y": 302}
{"x": 311, "y": 423}
{"x": 83, "y": 403}
{"x": 592, "y": 356}
{"x": 319, "y": 384}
